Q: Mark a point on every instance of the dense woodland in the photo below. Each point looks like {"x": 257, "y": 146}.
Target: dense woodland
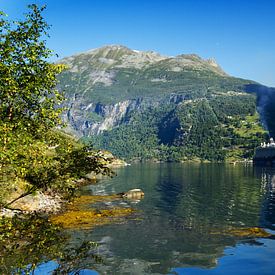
{"x": 217, "y": 128}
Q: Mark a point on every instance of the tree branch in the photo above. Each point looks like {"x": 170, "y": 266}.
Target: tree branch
{"x": 33, "y": 189}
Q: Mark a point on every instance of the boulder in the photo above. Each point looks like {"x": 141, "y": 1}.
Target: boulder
{"x": 133, "y": 194}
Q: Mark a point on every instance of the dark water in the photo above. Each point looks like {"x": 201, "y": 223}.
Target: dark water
{"x": 182, "y": 224}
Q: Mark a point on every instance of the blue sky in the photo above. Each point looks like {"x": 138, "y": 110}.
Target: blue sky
{"x": 239, "y": 34}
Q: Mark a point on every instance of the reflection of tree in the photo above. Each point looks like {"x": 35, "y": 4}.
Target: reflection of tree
{"x": 170, "y": 188}
{"x": 75, "y": 259}
{"x": 27, "y": 242}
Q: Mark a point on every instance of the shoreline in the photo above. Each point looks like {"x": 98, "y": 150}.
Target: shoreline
{"x": 52, "y": 204}
{"x": 39, "y": 203}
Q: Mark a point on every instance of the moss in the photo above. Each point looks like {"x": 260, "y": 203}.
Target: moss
{"x": 247, "y": 232}
{"x": 79, "y": 215}
{"x": 254, "y": 232}
{"x": 90, "y": 218}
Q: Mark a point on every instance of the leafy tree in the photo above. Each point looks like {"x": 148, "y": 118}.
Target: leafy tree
{"x": 28, "y": 97}
{"x": 30, "y": 108}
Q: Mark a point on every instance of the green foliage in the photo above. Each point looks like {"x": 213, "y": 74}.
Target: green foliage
{"x": 28, "y": 98}
{"x": 27, "y": 79}
{"x": 53, "y": 164}
{"x": 31, "y": 150}
{"x": 218, "y": 128}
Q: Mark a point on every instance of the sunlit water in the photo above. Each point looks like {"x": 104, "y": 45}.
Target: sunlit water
{"x": 179, "y": 224}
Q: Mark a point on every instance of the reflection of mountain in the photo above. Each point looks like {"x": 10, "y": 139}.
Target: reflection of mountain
{"x": 183, "y": 206}
{"x": 171, "y": 190}
{"x": 213, "y": 195}
{"x": 267, "y": 175}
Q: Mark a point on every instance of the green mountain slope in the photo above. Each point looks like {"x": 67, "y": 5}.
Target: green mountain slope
{"x": 141, "y": 105}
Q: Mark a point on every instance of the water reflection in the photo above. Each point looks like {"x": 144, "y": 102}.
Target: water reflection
{"x": 267, "y": 175}
{"x": 185, "y": 220}
{"x": 213, "y": 195}
{"x": 184, "y": 209}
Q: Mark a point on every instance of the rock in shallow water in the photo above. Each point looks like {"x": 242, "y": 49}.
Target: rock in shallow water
{"x": 133, "y": 194}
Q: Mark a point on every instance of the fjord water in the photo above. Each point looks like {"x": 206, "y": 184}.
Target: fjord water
{"x": 184, "y": 223}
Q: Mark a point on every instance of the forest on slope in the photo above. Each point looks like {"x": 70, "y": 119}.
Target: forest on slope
{"x": 141, "y": 106}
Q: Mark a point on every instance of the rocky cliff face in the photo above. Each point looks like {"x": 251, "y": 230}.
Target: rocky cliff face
{"x": 94, "y": 118}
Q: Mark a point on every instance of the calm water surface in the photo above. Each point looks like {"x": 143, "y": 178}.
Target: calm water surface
{"x": 182, "y": 224}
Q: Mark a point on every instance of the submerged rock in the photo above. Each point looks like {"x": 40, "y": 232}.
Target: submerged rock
{"x": 133, "y": 194}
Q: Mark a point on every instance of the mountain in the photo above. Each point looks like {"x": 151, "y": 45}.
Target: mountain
{"x": 142, "y": 105}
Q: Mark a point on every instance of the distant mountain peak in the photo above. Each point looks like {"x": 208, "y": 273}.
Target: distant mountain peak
{"x": 190, "y": 56}
{"x": 114, "y": 57}
{"x": 115, "y": 47}
{"x": 212, "y": 62}
{"x": 112, "y": 47}
{"x": 110, "y": 50}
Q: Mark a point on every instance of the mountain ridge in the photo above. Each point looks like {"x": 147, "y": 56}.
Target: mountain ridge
{"x": 112, "y": 54}
{"x": 113, "y": 91}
